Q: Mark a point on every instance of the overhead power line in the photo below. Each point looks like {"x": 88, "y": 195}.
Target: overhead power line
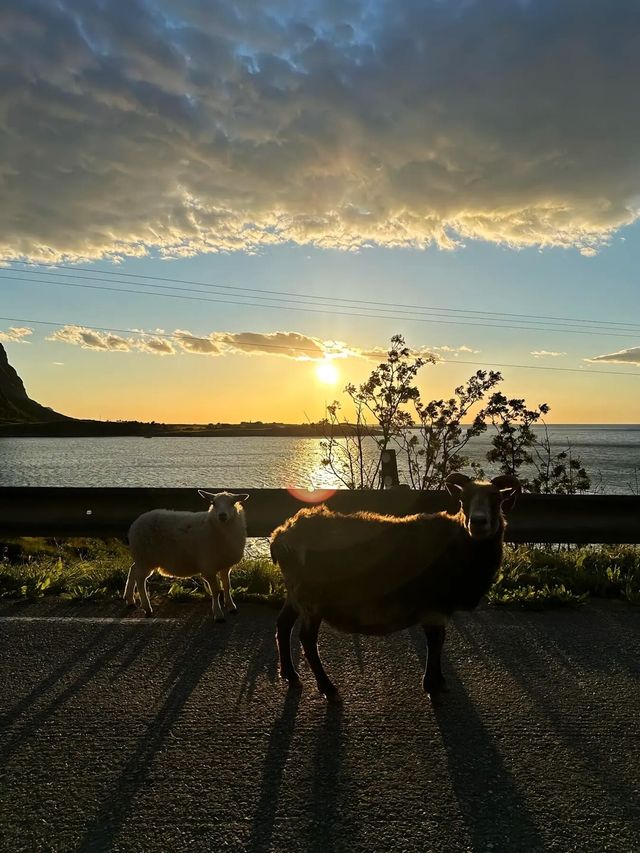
{"x": 585, "y": 372}
{"x": 331, "y": 299}
{"x": 323, "y": 301}
{"x": 324, "y": 310}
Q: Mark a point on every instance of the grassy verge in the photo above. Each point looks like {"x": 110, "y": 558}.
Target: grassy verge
{"x": 93, "y": 569}
{"x": 535, "y": 577}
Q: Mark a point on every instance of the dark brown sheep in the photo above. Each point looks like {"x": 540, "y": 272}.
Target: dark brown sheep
{"x": 374, "y": 574}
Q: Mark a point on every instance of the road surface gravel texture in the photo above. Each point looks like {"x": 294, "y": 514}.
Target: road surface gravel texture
{"x": 175, "y": 734}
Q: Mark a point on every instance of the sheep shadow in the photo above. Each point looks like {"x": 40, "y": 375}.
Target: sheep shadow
{"x": 33, "y": 723}
{"x": 324, "y": 793}
{"x": 198, "y": 651}
{"x": 491, "y": 804}
{"x": 531, "y": 673}
{"x": 50, "y": 681}
{"x": 275, "y": 760}
{"x": 262, "y": 661}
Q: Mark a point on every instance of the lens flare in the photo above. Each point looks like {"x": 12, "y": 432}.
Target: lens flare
{"x": 311, "y": 496}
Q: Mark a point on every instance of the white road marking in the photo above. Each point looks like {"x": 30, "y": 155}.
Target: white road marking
{"x": 100, "y": 620}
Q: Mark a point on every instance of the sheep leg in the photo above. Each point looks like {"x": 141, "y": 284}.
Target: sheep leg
{"x": 309, "y": 639}
{"x": 433, "y": 682}
{"x": 284, "y": 627}
{"x": 130, "y": 588}
{"x": 228, "y": 601}
{"x": 213, "y": 585}
{"x": 140, "y": 575}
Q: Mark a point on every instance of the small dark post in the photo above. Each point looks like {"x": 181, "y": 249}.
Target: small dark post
{"x": 389, "y": 469}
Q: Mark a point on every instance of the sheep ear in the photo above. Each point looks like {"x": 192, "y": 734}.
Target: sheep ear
{"x": 208, "y": 496}
{"x": 510, "y": 489}
{"x": 455, "y": 483}
{"x": 242, "y": 498}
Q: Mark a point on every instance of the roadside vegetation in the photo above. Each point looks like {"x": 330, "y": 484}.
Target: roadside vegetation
{"x": 532, "y": 577}
{"x": 431, "y": 440}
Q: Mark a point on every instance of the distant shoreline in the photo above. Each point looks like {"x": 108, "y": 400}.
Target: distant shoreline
{"x": 122, "y": 429}
{"x": 107, "y": 429}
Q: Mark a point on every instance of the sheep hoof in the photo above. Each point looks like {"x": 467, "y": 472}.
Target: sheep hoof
{"x": 148, "y": 614}
{"x": 292, "y": 678}
{"x": 331, "y": 694}
{"x": 434, "y": 685}
{"x": 233, "y": 611}
{"x": 219, "y": 619}
{"x": 435, "y": 690}
{"x": 130, "y": 603}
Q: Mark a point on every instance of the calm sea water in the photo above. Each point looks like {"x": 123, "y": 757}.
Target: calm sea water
{"x": 611, "y": 454}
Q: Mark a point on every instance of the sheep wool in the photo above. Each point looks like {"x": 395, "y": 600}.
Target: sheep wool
{"x": 184, "y": 544}
{"x": 371, "y": 574}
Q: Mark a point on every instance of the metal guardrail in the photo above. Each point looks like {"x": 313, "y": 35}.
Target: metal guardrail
{"x": 109, "y": 512}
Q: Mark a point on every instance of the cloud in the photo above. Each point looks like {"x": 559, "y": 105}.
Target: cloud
{"x": 434, "y": 354}
{"x": 457, "y": 350}
{"x": 624, "y": 356}
{"x": 294, "y": 345}
{"x": 380, "y": 353}
{"x": 110, "y": 342}
{"x": 201, "y": 345}
{"x": 543, "y": 353}
{"x": 16, "y": 334}
{"x": 289, "y": 344}
{"x": 90, "y": 339}
{"x": 284, "y": 344}
{"x": 190, "y": 127}
{"x": 155, "y": 345}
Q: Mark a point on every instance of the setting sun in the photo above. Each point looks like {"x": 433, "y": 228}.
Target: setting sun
{"x": 327, "y": 372}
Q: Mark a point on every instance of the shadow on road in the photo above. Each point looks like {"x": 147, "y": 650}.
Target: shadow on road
{"x": 262, "y": 660}
{"x": 273, "y": 769}
{"x": 37, "y": 720}
{"x": 200, "y": 647}
{"x": 324, "y": 793}
{"x": 544, "y": 671}
{"x": 493, "y": 808}
{"x": 53, "y": 678}
{"x": 357, "y": 650}
{"x": 326, "y": 790}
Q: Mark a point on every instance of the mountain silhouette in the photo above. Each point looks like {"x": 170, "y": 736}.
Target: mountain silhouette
{"x": 15, "y": 404}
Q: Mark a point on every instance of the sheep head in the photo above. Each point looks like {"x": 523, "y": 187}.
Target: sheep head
{"x": 223, "y": 504}
{"x": 482, "y": 502}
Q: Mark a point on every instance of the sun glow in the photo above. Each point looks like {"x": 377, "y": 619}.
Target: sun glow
{"x": 327, "y": 372}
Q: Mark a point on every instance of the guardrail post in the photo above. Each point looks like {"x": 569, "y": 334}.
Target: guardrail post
{"x": 389, "y": 469}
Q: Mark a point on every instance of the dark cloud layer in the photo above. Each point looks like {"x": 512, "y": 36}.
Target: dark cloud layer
{"x": 197, "y": 126}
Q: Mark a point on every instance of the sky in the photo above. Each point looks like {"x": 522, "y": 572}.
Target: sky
{"x": 203, "y": 205}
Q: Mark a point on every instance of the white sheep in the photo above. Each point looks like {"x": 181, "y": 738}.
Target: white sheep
{"x": 365, "y": 573}
{"x": 183, "y": 544}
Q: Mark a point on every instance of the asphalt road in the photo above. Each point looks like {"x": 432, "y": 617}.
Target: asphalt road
{"x": 171, "y": 735}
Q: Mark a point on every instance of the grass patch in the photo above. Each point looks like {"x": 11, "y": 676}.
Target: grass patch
{"x": 536, "y": 577}
{"x": 81, "y": 569}
{"x": 77, "y": 569}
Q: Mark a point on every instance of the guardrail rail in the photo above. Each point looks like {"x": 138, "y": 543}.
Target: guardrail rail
{"x": 39, "y": 511}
